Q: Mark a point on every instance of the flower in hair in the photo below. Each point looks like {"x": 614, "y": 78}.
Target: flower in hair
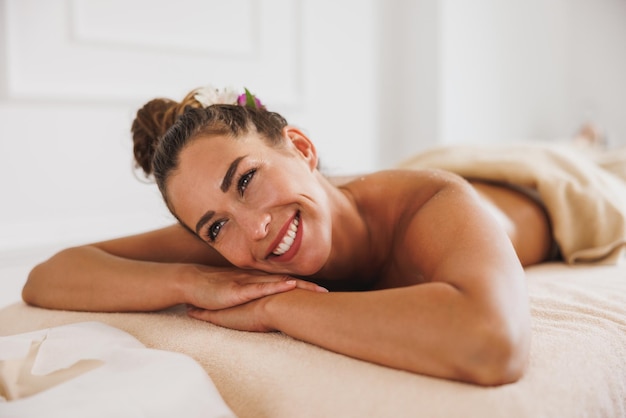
{"x": 249, "y": 99}
{"x": 210, "y": 95}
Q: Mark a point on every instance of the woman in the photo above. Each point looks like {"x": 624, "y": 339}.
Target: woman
{"x": 260, "y": 229}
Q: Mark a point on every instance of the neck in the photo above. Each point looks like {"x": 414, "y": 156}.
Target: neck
{"x": 351, "y": 241}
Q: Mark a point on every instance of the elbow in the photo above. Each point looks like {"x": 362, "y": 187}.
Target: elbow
{"x": 502, "y": 365}
{"x": 37, "y": 289}
{"x": 29, "y": 291}
{"x": 499, "y": 359}
{"x": 40, "y": 283}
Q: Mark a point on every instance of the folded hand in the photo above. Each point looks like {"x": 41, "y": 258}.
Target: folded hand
{"x": 221, "y": 288}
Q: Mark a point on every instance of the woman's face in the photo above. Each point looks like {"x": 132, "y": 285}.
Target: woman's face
{"x": 261, "y": 207}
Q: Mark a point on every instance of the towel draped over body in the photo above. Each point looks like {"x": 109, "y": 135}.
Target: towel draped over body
{"x": 583, "y": 194}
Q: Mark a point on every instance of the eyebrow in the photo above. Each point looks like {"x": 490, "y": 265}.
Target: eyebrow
{"x": 203, "y": 220}
{"x": 232, "y": 169}
{"x": 226, "y": 183}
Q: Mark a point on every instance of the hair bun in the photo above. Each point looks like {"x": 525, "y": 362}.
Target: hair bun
{"x": 151, "y": 122}
{"x": 157, "y": 116}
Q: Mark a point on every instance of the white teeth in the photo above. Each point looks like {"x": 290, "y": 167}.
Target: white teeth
{"x": 288, "y": 239}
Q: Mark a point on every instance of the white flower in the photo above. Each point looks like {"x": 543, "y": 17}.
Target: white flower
{"x": 210, "y": 95}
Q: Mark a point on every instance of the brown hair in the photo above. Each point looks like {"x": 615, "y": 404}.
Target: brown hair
{"x": 163, "y": 127}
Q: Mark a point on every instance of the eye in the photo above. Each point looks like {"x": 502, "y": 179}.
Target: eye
{"x": 245, "y": 180}
{"x": 214, "y": 230}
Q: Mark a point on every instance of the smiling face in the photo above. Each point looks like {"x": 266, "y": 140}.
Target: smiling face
{"x": 261, "y": 207}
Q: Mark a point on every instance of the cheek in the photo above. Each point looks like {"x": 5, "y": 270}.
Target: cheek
{"x": 235, "y": 250}
{"x": 268, "y": 193}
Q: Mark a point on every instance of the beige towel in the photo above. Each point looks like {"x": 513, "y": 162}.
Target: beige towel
{"x": 585, "y": 200}
{"x": 576, "y": 367}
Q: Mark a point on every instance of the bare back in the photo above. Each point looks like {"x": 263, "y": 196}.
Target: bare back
{"x": 523, "y": 218}
{"x": 389, "y": 200}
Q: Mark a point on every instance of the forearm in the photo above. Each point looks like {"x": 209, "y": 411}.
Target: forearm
{"x": 87, "y": 278}
{"x": 431, "y": 329}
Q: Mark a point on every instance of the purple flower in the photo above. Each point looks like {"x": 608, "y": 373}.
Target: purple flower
{"x": 249, "y": 99}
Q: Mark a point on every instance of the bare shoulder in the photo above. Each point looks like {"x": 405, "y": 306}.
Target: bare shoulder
{"x": 405, "y": 190}
{"x": 400, "y": 208}
{"x": 414, "y": 179}
{"x": 453, "y": 237}
{"x": 433, "y": 225}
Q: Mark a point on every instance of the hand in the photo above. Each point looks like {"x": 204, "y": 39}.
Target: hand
{"x": 220, "y": 288}
{"x": 246, "y": 317}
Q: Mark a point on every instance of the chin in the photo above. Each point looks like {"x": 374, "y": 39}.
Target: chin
{"x": 300, "y": 269}
{"x": 307, "y": 272}
{"x": 312, "y": 266}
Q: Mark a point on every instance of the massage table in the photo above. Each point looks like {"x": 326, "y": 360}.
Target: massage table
{"x": 577, "y": 364}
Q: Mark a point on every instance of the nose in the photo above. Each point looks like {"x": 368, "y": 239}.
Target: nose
{"x": 256, "y": 224}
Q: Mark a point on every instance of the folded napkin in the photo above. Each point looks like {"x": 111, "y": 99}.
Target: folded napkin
{"x": 95, "y": 370}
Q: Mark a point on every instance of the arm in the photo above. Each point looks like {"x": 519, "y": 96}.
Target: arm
{"x": 146, "y": 272}
{"x": 469, "y": 322}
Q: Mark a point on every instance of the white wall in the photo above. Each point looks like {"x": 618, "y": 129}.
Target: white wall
{"x": 410, "y": 85}
{"x": 73, "y": 72}
{"x": 532, "y": 70}
{"x": 493, "y": 71}
{"x": 72, "y": 87}
{"x": 503, "y": 66}
{"x": 597, "y": 65}
{"x": 370, "y": 80}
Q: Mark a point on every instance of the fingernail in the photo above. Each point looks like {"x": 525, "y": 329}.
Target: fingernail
{"x": 290, "y": 282}
{"x": 321, "y": 289}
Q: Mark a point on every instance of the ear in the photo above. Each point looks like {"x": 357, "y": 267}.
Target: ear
{"x": 302, "y": 145}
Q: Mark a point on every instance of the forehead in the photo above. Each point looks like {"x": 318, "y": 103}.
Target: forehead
{"x": 195, "y": 184}
{"x": 208, "y": 151}
{"x": 218, "y": 148}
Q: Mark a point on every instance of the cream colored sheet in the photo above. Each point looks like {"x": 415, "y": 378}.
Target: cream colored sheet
{"x": 577, "y": 365}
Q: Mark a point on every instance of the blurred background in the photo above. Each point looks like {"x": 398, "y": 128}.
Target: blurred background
{"x": 370, "y": 81}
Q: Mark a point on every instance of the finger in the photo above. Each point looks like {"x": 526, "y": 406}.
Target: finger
{"x": 199, "y": 313}
{"x": 235, "y": 318}
{"x": 251, "y": 291}
{"x": 252, "y": 276}
{"x": 205, "y": 315}
{"x": 300, "y": 284}
{"x": 303, "y": 284}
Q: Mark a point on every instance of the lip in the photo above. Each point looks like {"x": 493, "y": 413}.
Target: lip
{"x": 294, "y": 247}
